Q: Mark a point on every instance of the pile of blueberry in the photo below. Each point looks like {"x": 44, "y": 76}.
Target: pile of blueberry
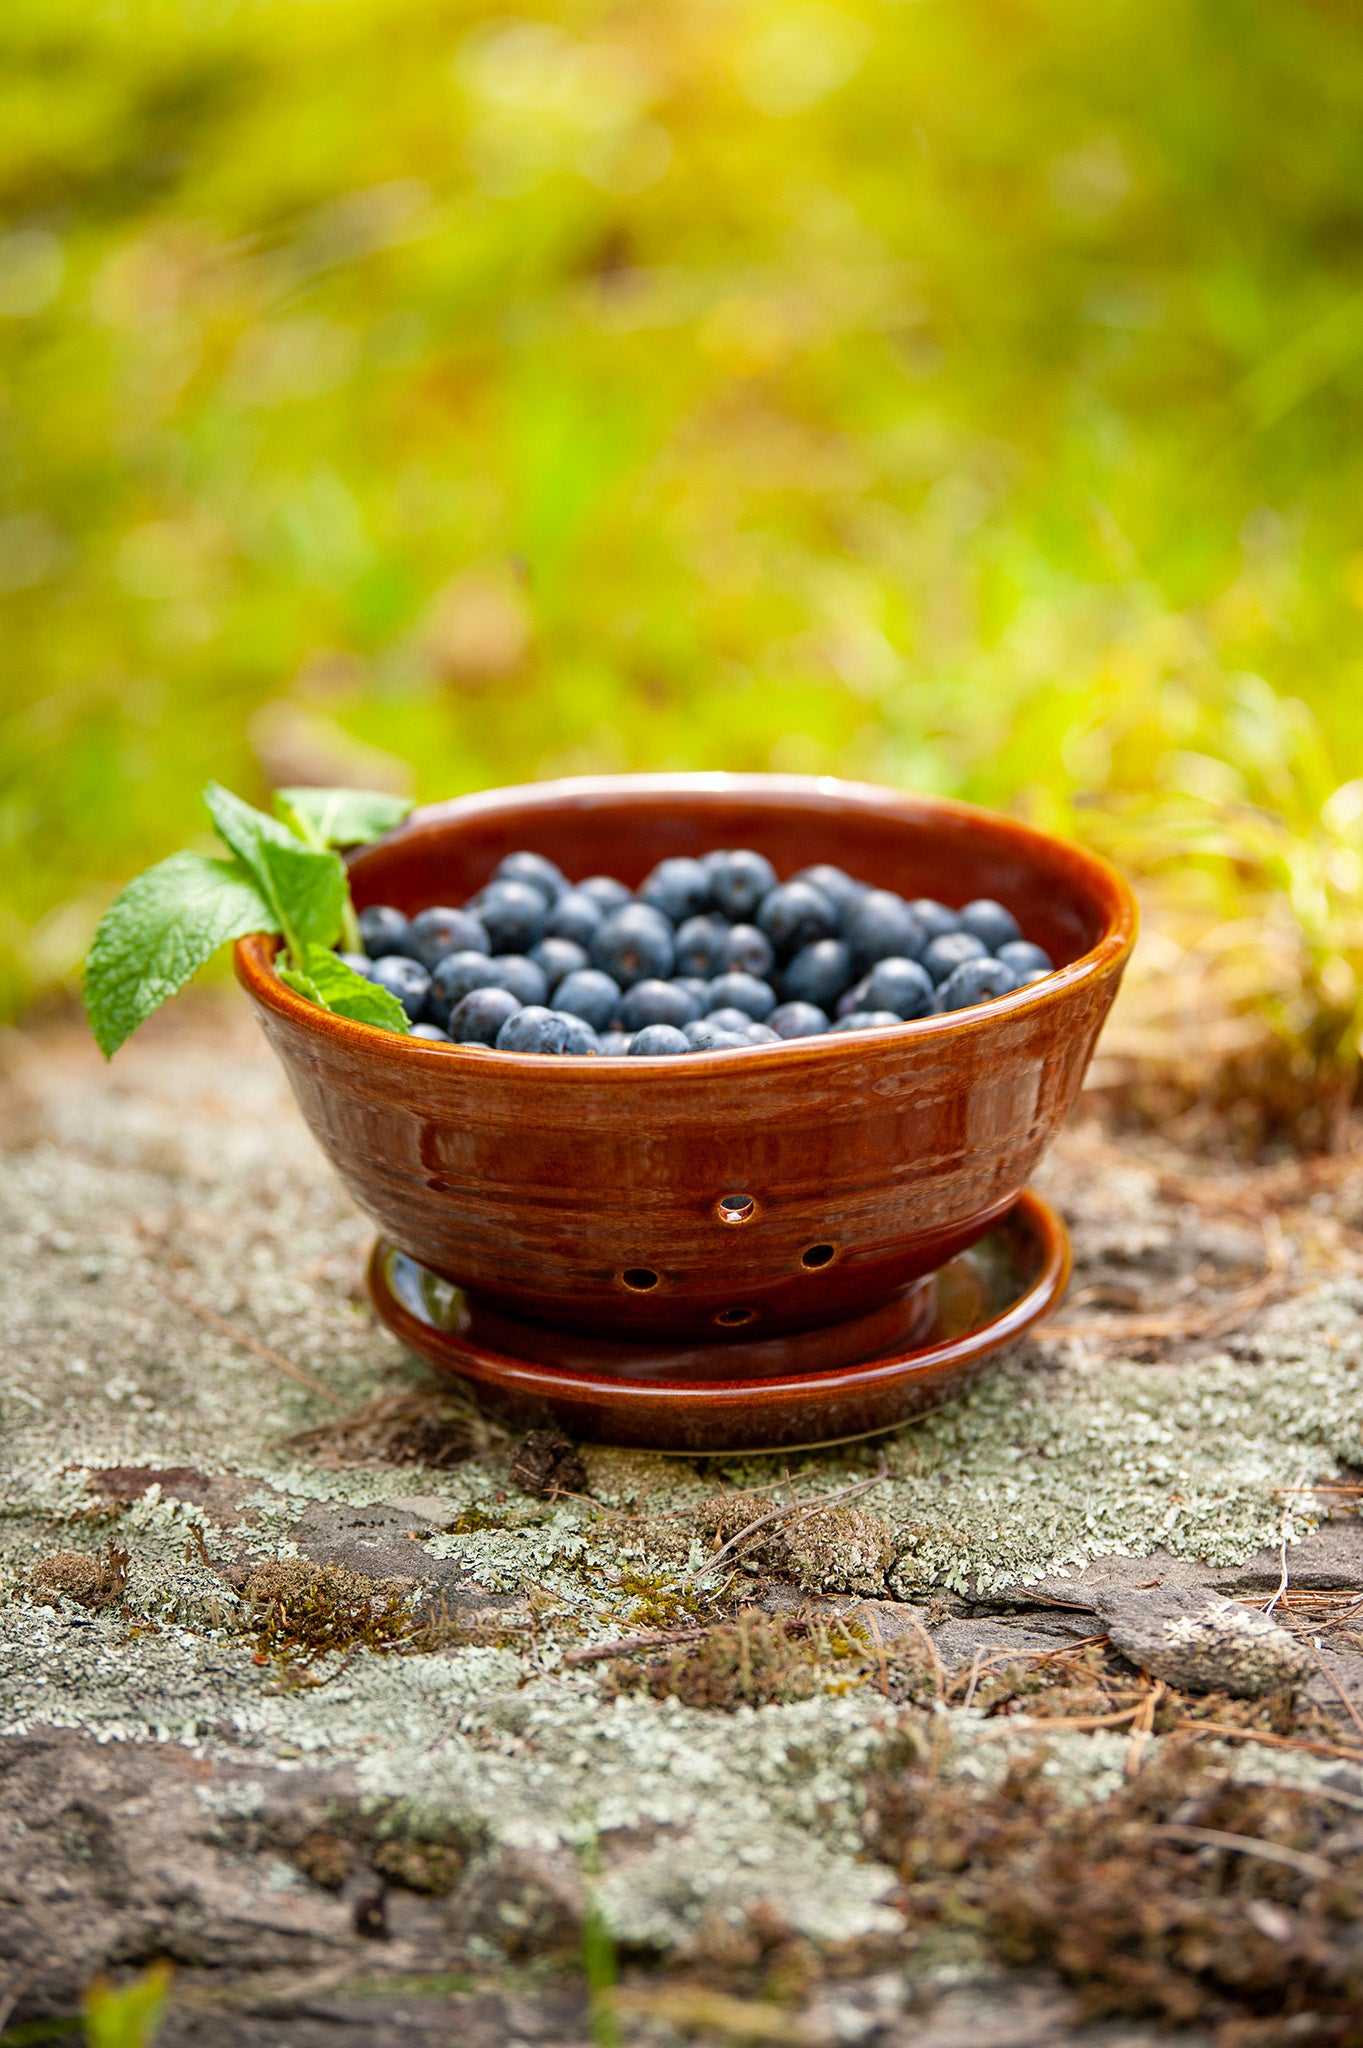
{"x": 708, "y": 955}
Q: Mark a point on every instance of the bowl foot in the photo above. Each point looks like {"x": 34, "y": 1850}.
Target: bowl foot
{"x": 851, "y": 1379}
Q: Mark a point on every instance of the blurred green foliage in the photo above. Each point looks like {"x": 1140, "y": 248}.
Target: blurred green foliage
{"x": 956, "y": 392}
{"x": 127, "y": 2015}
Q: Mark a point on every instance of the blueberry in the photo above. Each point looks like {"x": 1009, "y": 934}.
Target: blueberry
{"x": 739, "y": 881}
{"x": 841, "y": 891}
{"x": 527, "y": 982}
{"x": 882, "y": 926}
{"x": 533, "y": 1029}
{"x": 431, "y": 1033}
{"x": 658, "y": 1041}
{"x": 634, "y": 944}
{"x": 406, "y": 979}
{"x": 557, "y": 957}
{"x": 383, "y": 931}
{"x": 818, "y": 973}
{"x": 1025, "y": 958}
{"x": 951, "y": 951}
{"x": 1037, "y": 974}
{"x": 701, "y": 945}
{"x": 657, "y": 1002}
{"x": 358, "y": 963}
{"x": 611, "y": 1044}
{"x": 678, "y": 888}
{"x": 513, "y": 916}
{"x": 455, "y": 977}
{"x": 852, "y": 1000}
{"x": 868, "y": 1020}
{"x": 798, "y": 1020}
{"x": 434, "y": 933}
{"x": 581, "y": 1037}
{"x": 762, "y": 1034}
{"x": 575, "y": 916}
{"x": 604, "y": 891}
{"x": 748, "y": 952}
{"x": 977, "y": 981}
{"x": 990, "y": 923}
{"x": 934, "y": 917}
{"x": 756, "y": 999}
{"x": 899, "y": 985}
{"x": 480, "y": 1016}
{"x": 705, "y": 1036}
{"x": 589, "y": 994}
{"x": 736, "y": 1021}
{"x": 695, "y": 985}
{"x": 796, "y": 914}
{"x": 533, "y": 868}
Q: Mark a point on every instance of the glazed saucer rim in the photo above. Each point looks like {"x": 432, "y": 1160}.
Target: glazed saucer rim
{"x": 1031, "y": 1215}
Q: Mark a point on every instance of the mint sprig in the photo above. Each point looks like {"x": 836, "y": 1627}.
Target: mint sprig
{"x": 304, "y": 886}
{"x": 340, "y": 817}
{"x": 327, "y": 980}
{"x": 280, "y": 876}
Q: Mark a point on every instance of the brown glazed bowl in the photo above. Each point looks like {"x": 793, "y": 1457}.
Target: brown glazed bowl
{"x": 729, "y": 1196}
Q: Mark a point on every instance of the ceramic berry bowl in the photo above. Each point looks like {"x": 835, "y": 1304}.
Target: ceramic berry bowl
{"x": 788, "y": 1202}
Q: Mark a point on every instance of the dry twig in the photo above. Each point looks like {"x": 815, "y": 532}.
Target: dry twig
{"x": 1143, "y": 1726}
{"x": 657, "y": 1639}
{"x": 1223, "y": 1732}
{"x": 1082, "y": 1723}
{"x": 249, "y": 1343}
{"x": 1249, "y": 1845}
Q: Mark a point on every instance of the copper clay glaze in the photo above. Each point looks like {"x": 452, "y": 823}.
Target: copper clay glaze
{"x": 596, "y": 1195}
{"x": 982, "y": 1301}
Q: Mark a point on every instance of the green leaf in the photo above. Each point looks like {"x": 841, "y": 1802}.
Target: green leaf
{"x": 159, "y": 931}
{"x": 340, "y": 817}
{"x": 327, "y": 980}
{"x": 127, "y": 2015}
{"x": 305, "y": 886}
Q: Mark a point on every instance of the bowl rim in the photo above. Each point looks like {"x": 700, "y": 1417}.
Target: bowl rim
{"x": 254, "y": 955}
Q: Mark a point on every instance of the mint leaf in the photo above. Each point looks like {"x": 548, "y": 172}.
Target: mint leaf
{"x": 304, "y": 885}
{"x": 340, "y": 817}
{"x": 329, "y": 982}
{"x": 159, "y": 931}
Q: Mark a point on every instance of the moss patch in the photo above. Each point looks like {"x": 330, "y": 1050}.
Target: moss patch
{"x": 299, "y": 1609}
{"x": 92, "y": 1580}
{"x": 1185, "y": 1896}
{"x": 756, "y": 1661}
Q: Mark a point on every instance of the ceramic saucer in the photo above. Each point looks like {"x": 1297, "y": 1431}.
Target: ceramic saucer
{"x": 933, "y": 1343}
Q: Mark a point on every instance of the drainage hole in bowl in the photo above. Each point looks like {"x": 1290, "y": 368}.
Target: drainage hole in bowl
{"x": 639, "y": 1279}
{"x": 818, "y": 1255}
{"x": 735, "y": 1208}
{"x": 730, "y": 1318}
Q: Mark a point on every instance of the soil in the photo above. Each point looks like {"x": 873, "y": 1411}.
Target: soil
{"x": 381, "y": 1725}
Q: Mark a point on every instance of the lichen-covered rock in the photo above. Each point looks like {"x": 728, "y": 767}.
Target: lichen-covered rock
{"x": 1222, "y": 1647}
{"x": 378, "y": 1738}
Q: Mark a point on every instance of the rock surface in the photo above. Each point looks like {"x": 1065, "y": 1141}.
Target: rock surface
{"x": 298, "y": 1827}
